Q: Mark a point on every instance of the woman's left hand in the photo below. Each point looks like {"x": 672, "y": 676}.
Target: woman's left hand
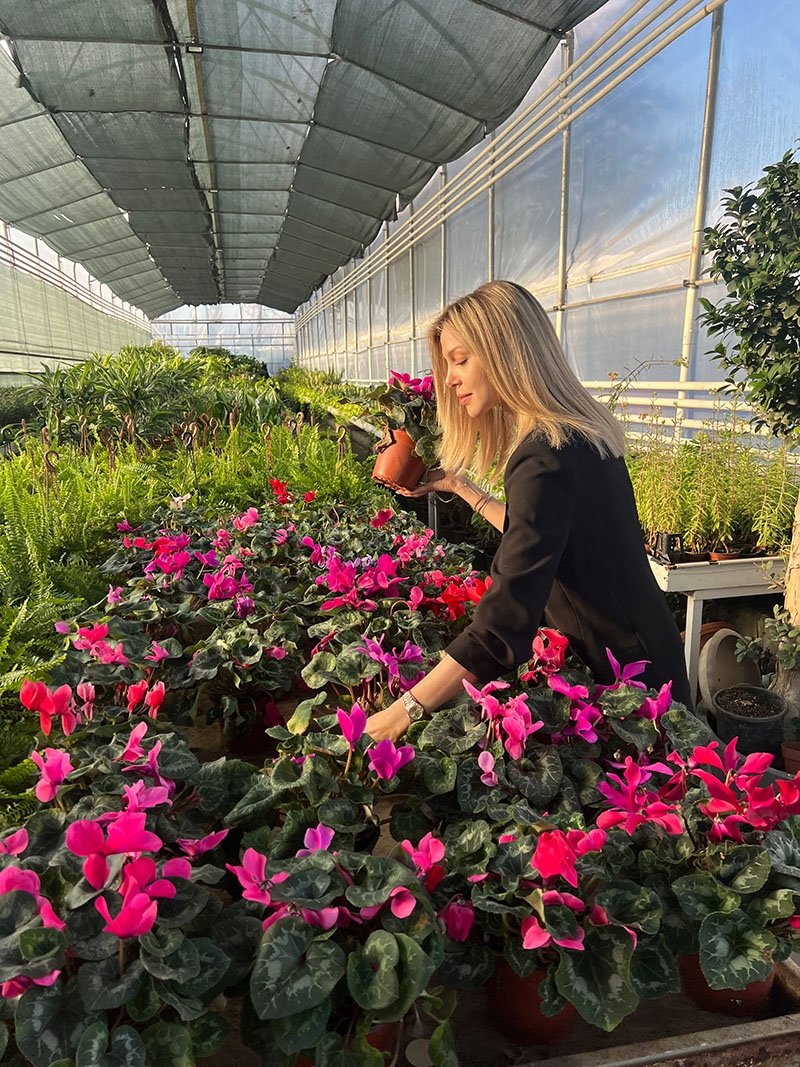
{"x": 392, "y": 722}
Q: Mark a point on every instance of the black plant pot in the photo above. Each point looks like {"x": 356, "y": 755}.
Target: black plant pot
{"x": 756, "y": 733}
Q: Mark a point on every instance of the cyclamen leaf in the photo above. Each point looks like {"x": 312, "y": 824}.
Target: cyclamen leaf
{"x": 654, "y": 972}
{"x": 293, "y": 971}
{"x": 102, "y": 987}
{"x": 597, "y": 980}
{"x": 208, "y": 1034}
{"x": 125, "y": 1049}
{"x": 169, "y": 1045}
{"x": 734, "y": 951}
{"x": 701, "y": 895}
{"x": 49, "y": 1022}
{"x": 372, "y": 971}
{"x": 298, "y": 1032}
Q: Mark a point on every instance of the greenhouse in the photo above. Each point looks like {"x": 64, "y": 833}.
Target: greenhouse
{"x": 399, "y": 533}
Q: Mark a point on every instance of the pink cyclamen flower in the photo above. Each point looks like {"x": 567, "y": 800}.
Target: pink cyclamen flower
{"x": 386, "y": 760}
{"x": 246, "y": 520}
{"x": 458, "y": 917}
{"x": 317, "y": 839}
{"x": 157, "y": 653}
{"x": 126, "y": 836}
{"x": 136, "y": 694}
{"x": 554, "y": 857}
{"x": 14, "y": 844}
{"x": 55, "y": 766}
{"x": 535, "y": 936}
{"x": 36, "y": 697}
{"x": 62, "y": 627}
{"x": 276, "y": 652}
{"x": 252, "y": 877}
{"x": 114, "y": 595}
{"x": 135, "y": 918}
{"x": 402, "y": 902}
{"x": 133, "y": 749}
{"x": 197, "y": 846}
{"x": 352, "y": 725}
{"x": 486, "y": 764}
{"x": 154, "y": 699}
{"x": 86, "y": 693}
{"x": 381, "y": 518}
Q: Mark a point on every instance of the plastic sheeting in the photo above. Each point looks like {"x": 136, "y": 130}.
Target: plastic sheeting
{"x": 630, "y": 189}
{"x": 214, "y": 158}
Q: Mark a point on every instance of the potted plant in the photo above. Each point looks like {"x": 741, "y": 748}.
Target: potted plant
{"x": 349, "y": 941}
{"x": 714, "y": 838}
{"x": 410, "y": 440}
{"x": 115, "y": 942}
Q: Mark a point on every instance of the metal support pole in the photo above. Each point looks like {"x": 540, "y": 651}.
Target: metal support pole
{"x": 433, "y": 513}
{"x": 490, "y": 224}
{"x": 386, "y": 304}
{"x": 369, "y": 329}
{"x": 567, "y": 52}
{"x": 443, "y": 263}
{"x": 704, "y": 169}
{"x": 412, "y": 313}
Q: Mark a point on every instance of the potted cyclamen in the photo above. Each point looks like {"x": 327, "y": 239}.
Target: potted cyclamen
{"x": 114, "y": 948}
{"x": 715, "y": 840}
{"x": 409, "y": 442}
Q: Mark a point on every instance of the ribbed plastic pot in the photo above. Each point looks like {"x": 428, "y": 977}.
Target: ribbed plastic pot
{"x": 756, "y": 734}
{"x": 515, "y": 1007}
{"x": 397, "y": 465}
{"x": 752, "y": 1000}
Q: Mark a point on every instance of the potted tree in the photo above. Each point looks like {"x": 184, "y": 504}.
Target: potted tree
{"x": 755, "y": 251}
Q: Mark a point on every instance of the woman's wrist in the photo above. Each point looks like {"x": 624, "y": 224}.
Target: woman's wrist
{"x": 473, "y": 495}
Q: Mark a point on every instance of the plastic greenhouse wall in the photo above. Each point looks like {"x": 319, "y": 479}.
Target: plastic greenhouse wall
{"x": 593, "y": 196}
{"x": 247, "y": 329}
{"x": 54, "y": 312}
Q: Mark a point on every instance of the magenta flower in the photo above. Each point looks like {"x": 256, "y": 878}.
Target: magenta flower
{"x": 554, "y": 857}
{"x": 55, "y": 766}
{"x": 402, "y": 902}
{"x": 625, "y": 675}
{"x": 136, "y": 694}
{"x": 157, "y": 653}
{"x": 151, "y": 769}
{"x": 135, "y": 918}
{"x": 535, "y": 936}
{"x": 86, "y": 693}
{"x": 14, "y": 844}
{"x": 139, "y": 797}
{"x": 428, "y": 854}
{"x": 109, "y": 654}
{"x": 486, "y": 764}
{"x": 61, "y": 627}
{"x": 126, "y": 836}
{"x": 386, "y": 760}
{"x": 252, "y": 877}
{"x": 89, "y": 636}
{"x": 197, "y": 846}
{"x": 114, "y": 595}
{"x": 133, "y": 749}
{"x": 276, "y": 652}
{"x": 246, "y": 520}
{"x": 154, "y": 699}
{"x": 571, "y": 692}
{"x": 245, "y": 606}
{"x": 317, "y": 839}
{"x": 352, "y": 725}
{"x": 458, "y": 917}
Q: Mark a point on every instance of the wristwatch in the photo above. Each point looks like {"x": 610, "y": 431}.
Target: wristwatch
{"x": 413, "y": 707}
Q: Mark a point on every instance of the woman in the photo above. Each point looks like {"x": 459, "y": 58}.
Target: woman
{"x": 571, "y": 555}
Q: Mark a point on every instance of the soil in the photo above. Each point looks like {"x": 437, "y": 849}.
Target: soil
{"x": 746, "y": 702}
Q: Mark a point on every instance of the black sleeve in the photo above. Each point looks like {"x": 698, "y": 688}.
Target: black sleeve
{"x": 539, "y": 507}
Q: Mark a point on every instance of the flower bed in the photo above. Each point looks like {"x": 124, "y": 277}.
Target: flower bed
{"x": 594, "y": 833}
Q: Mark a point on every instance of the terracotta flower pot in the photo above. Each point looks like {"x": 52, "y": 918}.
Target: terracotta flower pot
{"x": 397, "y": 465}
{"x": 515, "y": 1007}
{"x": 790, "y": 752}
{"x": 752, "y": 1000}
{"x": 720, "y": 557}
{"x": 382, "y": 1037}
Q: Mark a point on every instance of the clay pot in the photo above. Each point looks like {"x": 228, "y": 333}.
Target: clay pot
{"x": 757, "y": 732}
{"x": 695, "y": 557}
{"x": 382, "y": 1037}
{"x": 752, "y": 1000}
{"x": 790, "y": 753}
{"x": 720, "y": 557}
{"x": 515, "y": 1007}
{"x": 397, "y": 465}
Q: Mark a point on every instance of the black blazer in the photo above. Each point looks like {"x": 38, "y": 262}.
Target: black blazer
{"x": 572, "y": 557}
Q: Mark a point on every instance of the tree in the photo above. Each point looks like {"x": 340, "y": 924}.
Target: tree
{"x": 755, "y": 251}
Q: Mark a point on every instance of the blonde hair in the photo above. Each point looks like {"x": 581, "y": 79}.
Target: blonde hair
{"x": 524, "y": 363}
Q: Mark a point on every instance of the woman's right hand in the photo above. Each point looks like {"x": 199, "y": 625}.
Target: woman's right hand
{"x": 437, "y": 481}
